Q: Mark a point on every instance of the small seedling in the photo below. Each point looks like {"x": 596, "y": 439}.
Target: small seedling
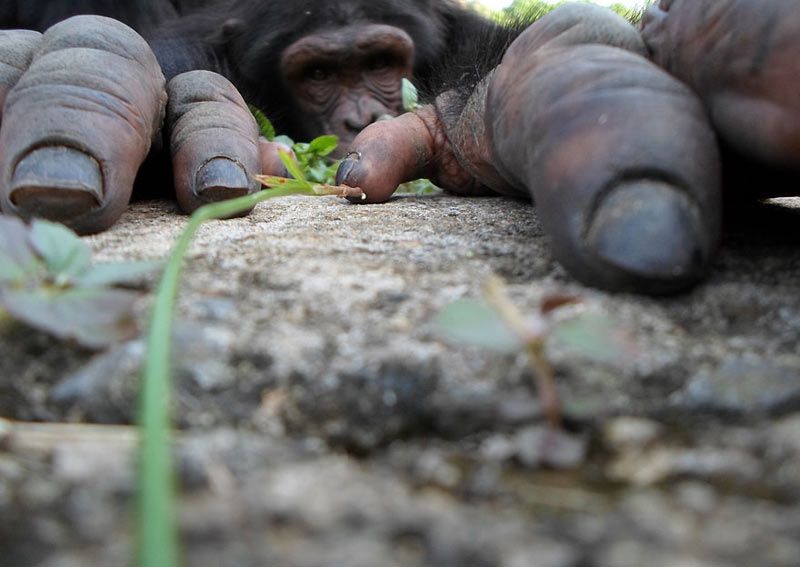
{"x": 48, "y": 281}
{"x": 497, "y": 324}
{"x": 410, "y": 95}
{"x": 265, "y": 127}
{"x": 312, "y": 158}
{"x": 302, "y": 184}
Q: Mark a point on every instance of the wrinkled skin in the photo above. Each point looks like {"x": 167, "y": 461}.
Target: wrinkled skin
{"x": 80, "y": 122}
{"x": 83, "y": 104}
{"x": 618, "y": 156}
{"x": 742, "y": 57}
{"x": 347, "y": 78}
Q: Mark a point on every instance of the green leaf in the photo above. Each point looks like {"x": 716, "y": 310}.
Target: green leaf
{"x": 94, "y": 317}
{"x": 285, "y": 140}
{"x": 323, "y": 145}
{"x": 265, "y": 127}
{"x": 594, "y": 336}
{"x": 286, "y": 183}
{"x": 318, "y": 172}
{"x": 410, "y": 95}
{"x": 291, "y": 165}
{"x": 116, "y": 273}
{"x": 474, "y": 322}
{"x": 64, "y": 253}
{"x": 418, "y": 187}
{"x": 18, "y": 262}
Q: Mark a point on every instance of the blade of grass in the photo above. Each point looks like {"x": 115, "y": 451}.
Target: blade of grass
{"x": 292, "y": 166}
{"x": 157, "y": 544}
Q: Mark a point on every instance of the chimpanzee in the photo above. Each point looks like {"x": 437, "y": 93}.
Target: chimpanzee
{"x": 619, "y": 156}
{"x": 81, "y": 119}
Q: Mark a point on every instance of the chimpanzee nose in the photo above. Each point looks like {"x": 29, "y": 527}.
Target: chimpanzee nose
{"x": 357, "y": 121}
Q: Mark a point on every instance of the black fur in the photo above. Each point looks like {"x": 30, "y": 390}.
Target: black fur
{"x": 454, "y": 47}
{"x": 142, "y": 15}
{"x": 243, "y": 39}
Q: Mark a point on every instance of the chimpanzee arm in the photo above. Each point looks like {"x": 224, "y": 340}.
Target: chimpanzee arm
{"x": 617, "y": 155}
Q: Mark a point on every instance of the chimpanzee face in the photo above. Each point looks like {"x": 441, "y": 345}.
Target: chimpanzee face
{"x": 347, "y": 78}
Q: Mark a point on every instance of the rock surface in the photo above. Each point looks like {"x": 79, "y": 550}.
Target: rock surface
{"x": 325, "y": 422}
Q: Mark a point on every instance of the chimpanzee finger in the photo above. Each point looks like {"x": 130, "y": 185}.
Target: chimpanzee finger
{"x": 411, "y": 146}
{"x": 269, "y": 153}
{"x": 620, "y": 161}
{"x": 386, "y": 154}
{"x": 79, "y": 123}
{"x": 742, "y": 57}
{"x": 16, "y": 52}
{"x": 213, "y": 140}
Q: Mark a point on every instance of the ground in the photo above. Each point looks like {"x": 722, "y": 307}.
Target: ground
{"x": 324, "y": 421}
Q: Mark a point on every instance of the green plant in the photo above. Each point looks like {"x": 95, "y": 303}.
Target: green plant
{"x": 157, "y": 544}
{"x": 418, "y": 186}
{"x": 532, "y": 10}
{"x": 48, "y": 281}
{"x": 301, "y": 183}
{"x": 313, "y": 158}
{"x": 497, "y": 324}
{"x": 410, "y": 95}
{"x": 265, "y": 127}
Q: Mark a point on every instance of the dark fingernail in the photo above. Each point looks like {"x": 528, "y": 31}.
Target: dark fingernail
{"x": 346, "y": 167}
{"x": 57, "y": 183}
{"x": 219, "y": 179}
{"x": 653, "y": 233}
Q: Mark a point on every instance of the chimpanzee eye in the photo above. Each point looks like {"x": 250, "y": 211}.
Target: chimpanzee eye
{"x": 379, "y": 62}
{"x": 318, "y": 73}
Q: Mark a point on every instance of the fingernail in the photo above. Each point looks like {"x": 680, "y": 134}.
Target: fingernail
{"x": 346, "y": 167}
{"x": 57, "y": 183}
{"x": 219, "y": 179}
{"x": 652, "y": 232}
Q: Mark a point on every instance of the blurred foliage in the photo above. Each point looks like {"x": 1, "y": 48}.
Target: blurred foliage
{"x": 532, "y": 10}
{"x": 48, "y": 281}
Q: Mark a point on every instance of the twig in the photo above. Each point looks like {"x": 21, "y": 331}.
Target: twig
{"x": 534, "y": 341}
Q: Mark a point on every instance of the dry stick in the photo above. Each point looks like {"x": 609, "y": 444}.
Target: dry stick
{"x": 275, "y": 182}
{"x": 543, "y": 372}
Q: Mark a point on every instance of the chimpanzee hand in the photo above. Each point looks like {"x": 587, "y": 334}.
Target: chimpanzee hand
{"x": 742, "y": 57}
{"x": 617, "y": 155}
{"x": 84, "y": 102}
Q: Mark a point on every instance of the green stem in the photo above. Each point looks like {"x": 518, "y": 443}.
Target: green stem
{"x": 543, "y": 372}
{"x": 157, "y": 528}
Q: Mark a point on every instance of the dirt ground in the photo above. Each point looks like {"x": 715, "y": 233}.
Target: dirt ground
{"x": 324, "y": 422}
